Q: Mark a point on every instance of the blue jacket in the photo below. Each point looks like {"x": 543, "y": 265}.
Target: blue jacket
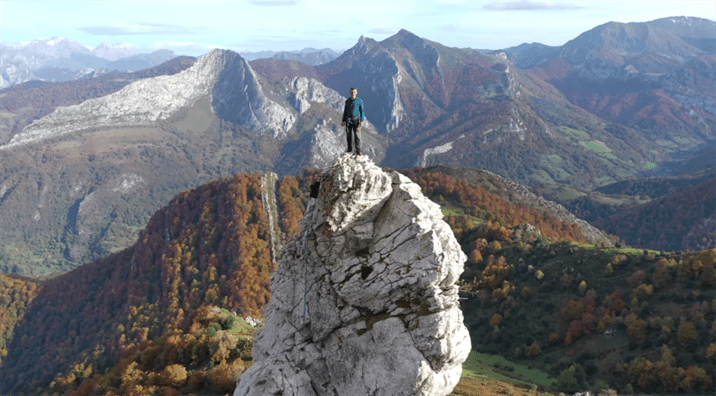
{"x": 353, "y": 109}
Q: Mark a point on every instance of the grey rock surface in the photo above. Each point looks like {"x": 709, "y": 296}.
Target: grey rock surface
{"x": 364, "y": 297}
{"x": 310, "y": 90}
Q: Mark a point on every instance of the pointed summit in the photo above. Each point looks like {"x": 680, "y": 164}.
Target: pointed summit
{"x": 404, "y": 38}
{"x": 404, "y": 33}
{"x": 364, "y": 296}
{"x": 363, "y": 45}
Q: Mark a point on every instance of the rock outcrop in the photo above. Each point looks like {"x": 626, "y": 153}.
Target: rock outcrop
{"x": 364, "y": 296}
{"x": 309, "y": 90}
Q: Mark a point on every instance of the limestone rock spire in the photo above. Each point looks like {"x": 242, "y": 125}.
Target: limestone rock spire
{"x": 364, "y": 296}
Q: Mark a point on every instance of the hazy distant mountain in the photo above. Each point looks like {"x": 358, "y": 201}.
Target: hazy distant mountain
{"x": 113, "y": 52}
{"x": 35, "y": 53}
{"x": 78, "y": 67}
{"x": 649, "y": 47}
{"x": 60, "y": 59}
{"x": 523, "y": 51}
{"x": 698, "y": 32}
{"x": 311, "y": 56}
{"x": 18, "y": 60}
{"x": 141, "y": 61}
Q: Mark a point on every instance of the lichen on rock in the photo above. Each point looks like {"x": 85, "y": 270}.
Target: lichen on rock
{"x": 364, "y": 296}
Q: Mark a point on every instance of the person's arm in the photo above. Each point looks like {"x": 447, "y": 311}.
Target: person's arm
{"x": 362, "y": 115}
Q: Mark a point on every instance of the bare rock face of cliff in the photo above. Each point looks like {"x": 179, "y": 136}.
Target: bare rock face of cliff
{"x": 364, "y": 296}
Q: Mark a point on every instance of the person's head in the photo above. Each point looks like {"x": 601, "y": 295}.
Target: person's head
{"x": 354, "y": 93}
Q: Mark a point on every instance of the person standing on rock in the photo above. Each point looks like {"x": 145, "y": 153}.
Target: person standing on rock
{"x": 353, "y": 116}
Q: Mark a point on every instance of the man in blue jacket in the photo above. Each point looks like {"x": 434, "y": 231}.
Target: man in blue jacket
{"x": 353, "y": 119}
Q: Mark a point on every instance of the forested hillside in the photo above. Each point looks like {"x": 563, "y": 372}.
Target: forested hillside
{"x": 683, "y": 220}
{"x": 209, "y": 247}
{"x": 169, "y": 315}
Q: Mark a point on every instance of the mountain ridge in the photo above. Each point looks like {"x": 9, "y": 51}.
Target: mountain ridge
{"x": 643, "y": 75}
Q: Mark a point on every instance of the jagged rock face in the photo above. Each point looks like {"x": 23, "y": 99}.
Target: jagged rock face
{"x": 311, "y": 90}
{"x": 239, "y": 97}
{"x": 364, "y": 296}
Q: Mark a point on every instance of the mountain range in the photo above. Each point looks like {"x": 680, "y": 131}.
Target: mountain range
{"x": 196, "y": 125}
{"x": 613, "y": 104}
{"x": 310, "y": 56}
{"x": 61, "y": 59}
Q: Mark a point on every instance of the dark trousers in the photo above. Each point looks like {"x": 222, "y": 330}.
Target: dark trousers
{"x": 353, "y": 133}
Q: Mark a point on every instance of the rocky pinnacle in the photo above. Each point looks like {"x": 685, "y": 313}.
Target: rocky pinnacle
{"x": 364, "y": 296}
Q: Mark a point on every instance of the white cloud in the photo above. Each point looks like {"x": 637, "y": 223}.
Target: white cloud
{"x": 525, "y": 5}
{"x": 186, "y": 47}
{"x": 274, "y": 3}
{"x": 382, "y": 31}
{"x": 139, "y": 29}
{"x": 451, "y": 27}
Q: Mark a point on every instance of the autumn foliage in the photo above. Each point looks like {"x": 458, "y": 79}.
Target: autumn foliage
{"x": 208, "y": 247}
{"x": 209, "y": 356}
{"x": 664, "y": 376}
{"x": 16, "y": 294}
{"x": 482, "y": 204}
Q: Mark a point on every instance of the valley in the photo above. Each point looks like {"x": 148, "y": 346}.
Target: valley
{"x": 137, "y": 244}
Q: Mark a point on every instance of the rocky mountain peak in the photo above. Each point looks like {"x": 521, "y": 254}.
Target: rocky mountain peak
{"x": 416, "y": 45}
{"x": 235, "y": 90}
{"x": 362, "y": 47}
{"x": 403, "y": 34}
{"x": 364, "y": 296}
{"x": 238, "y": 96}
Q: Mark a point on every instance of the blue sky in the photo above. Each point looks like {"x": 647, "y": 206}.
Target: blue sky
{"x": 196, "y": 27}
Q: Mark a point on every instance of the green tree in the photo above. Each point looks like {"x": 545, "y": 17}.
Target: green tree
{"x": 572, "y": 379}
